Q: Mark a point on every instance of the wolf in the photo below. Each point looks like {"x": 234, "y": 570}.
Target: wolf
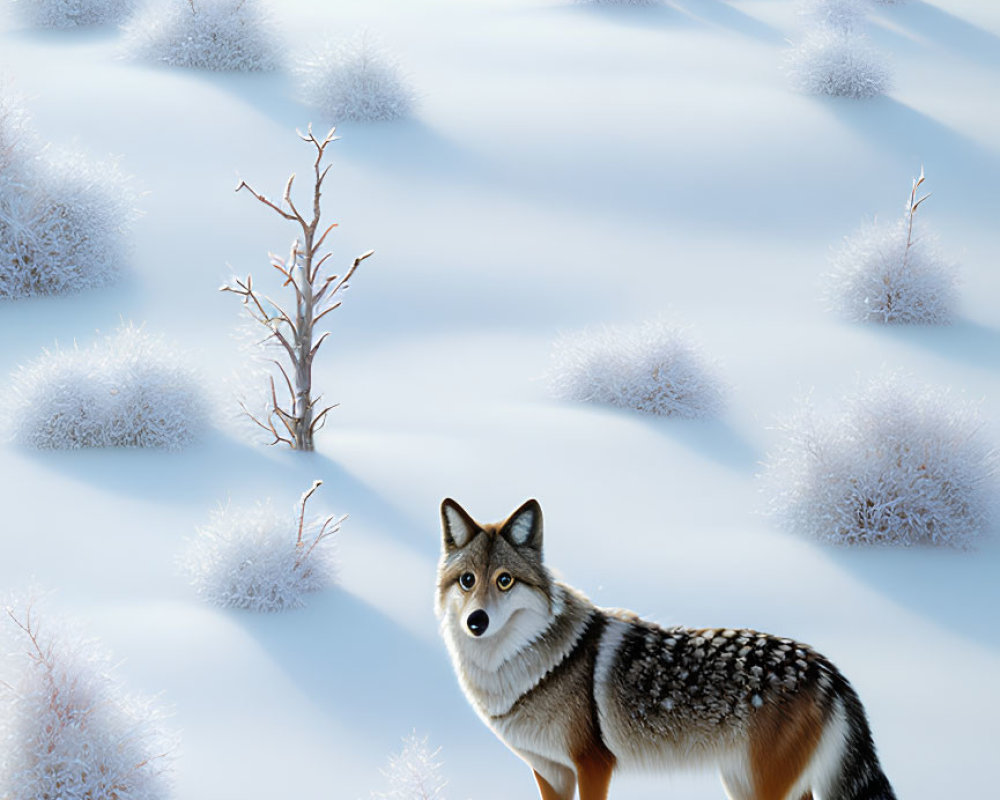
{"x": 579, "y": 691}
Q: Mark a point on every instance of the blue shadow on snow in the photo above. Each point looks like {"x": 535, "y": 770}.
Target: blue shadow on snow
{"x": 963, "y": 341}
{"x": 957, "y": 166}
{"x": 694, "y": 13}
{"x": 940, "y": 27}
{"x": 357, "y": 665}
{"x": 952, "y": 588}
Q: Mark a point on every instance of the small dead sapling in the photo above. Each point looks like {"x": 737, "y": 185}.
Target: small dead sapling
{"x": 316, "y": 293}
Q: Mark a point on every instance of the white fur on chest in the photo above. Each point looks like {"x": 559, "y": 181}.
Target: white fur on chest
{"x": 494, "y": 672}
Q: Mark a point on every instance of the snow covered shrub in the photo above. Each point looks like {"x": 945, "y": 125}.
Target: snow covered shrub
{"x": 62, "y": 217}
{"x": 16, "y": 141}
{"x": 355, "y": 80}
{"x": 840, "y": 63}
{"x": 843, "y": 15}
{"x": 882, "y": 273}
{"x": 128, "y": 390}
{"x": 223, "y": 35}
{"x": 73, "y": 13}
{"x": 898, "y": 464}
{"x": 260, "y": 559}
{"x": 650, "y": 367}
{"x": 61, "y": 226}
{"x": 68, "y": 729}
{"x": 414, "y": 774}
{"x": 645, "y": 3}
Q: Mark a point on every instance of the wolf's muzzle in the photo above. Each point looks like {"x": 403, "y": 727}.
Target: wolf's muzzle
{"x": 478, "y": 622}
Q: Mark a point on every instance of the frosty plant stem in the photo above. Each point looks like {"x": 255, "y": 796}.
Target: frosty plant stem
{"x": 316, "y": 295}
{"x": 328, "y": 527}
{"x": 911, "y": 209}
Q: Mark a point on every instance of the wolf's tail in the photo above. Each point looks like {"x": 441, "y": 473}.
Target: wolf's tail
{"x": 859, "y": 775}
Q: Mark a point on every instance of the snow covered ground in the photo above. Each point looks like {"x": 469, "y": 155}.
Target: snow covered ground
{"x": 567, "y": 165}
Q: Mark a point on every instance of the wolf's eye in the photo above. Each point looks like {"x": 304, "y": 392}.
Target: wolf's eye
{"x": 467, "y": 580}
{"x": 504, "y": 581}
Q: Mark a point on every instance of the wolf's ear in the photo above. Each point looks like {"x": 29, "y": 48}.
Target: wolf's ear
{"x": 458, "y": 527}
{"x": 524, "y": 526}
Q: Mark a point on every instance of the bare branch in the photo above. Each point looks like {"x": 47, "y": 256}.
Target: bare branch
{"x": 302, "y": 512}
{"x": 343, "y": 281}
{"x": 330, "y": 227}
{"x": 317, "y": 267}
{"x": 319, "y": 341}
{"x": 288, "y": 381}
{"x": 287, "y": 198}
{"x": 269, "y": 428}
{"x": 322, "y": 175}
{"x": 331, "y": 525}
{"x": 322, "y": 314}
{"x": 266, "y": 202}
{"x": 319, "y": 421}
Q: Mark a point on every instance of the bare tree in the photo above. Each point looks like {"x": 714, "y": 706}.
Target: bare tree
{"x": 316, "y": 294}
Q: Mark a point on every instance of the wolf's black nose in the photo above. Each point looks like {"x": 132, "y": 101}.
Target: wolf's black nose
{"x": 478, "y": 622}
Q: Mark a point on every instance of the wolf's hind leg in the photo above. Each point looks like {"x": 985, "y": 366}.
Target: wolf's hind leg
{"x": 555, "y": 782}
{"x": 737, "y": 784}
{"x": 593, "y": 774}
{"x": 739, "y": 787}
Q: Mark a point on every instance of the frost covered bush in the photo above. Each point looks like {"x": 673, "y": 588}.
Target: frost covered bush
{"x": 62, "y": 227}
{"x": 73, "y": 13}
{"x": 68, "y": 729}
{"x": 261, "y": 559}
{"x": 650, "y": 367}
{"x": 840, "y": 63}
{"x": 62, "y": 217}
{"x": 645, "y": 3}
{"x": 842, "y": 15}
{"x": 17, "y": 146}
{"x": 414, "y": 774}
{"x": 355, "y": 80}
{"x": 898, "y": 464}
{"x": 222, "y": 35}
{"x": 875, "y": 278}
{"x": 128, "y": 390}
{"x": 884, "y": 273}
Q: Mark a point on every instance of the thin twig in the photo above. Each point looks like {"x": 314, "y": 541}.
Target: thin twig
{"x": 911, "y": 210}
{"x": 302, "y": 506}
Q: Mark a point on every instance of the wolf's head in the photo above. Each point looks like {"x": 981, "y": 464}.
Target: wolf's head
{"x": 491, "y": 579}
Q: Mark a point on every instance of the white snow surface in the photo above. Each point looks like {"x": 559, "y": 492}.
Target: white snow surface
{"x": 567, "y": 166}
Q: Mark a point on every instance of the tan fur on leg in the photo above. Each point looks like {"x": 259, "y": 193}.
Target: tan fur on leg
{"x": 782, "y": 740}
{"x": 593, "y": 773}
